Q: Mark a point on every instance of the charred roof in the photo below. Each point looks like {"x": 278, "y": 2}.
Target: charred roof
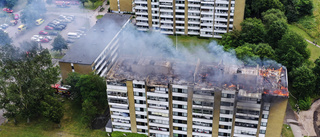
{"x": 201, "y": 75}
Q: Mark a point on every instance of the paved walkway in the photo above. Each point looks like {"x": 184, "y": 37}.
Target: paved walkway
{"x": 306, "y": 119}
{"x": 312, "y": 43}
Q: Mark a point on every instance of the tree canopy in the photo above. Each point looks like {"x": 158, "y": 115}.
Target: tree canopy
{"x": 253, "y": 30}
{"x": 25, "y": 78}
{"x": 4, "y": 38}
{"x": 59, "y": 43}
{"x": 303, "y": 82}
{"x": 91, "y": 92}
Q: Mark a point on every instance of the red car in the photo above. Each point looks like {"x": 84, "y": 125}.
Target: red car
{"x": 7, "y": 10}
{"x": 44, "y": 40}
{"x": 48, "y": 28}
{"x": 16, "y": 16}
{"x": 43, "y": 32}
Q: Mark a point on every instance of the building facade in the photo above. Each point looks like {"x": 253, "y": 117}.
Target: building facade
{"x": 121, "y": 6}
{"x": 196, "y": 104}
{"x": 207, "y": 18}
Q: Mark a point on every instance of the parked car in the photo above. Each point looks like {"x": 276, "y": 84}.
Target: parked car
{"x": 58, "y": 28}
{"x": 48, "y": 37}
{"x": 70, "y": 41}
{"x": 16, "y": 16}
{"x": 48, "y": 28}
{"x": 39, "y": 21}
{"x": 4, "y": 26}
{"x": 53, "y": 33}
{"x": 52, "y": 25}
{"x": 36, "y": 38}
{"x": 43, "y": 32}
{"x": 13, "y": 22}
{"x": 44, "y": 40}
{"x": 7, "y": 10}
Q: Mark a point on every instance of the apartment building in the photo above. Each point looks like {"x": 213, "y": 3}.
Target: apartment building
{"x": 170, "y": 98}
{"x": 207, "y": 18}
{"x": 97, "y": 50}
{"x": 121, "y": 6}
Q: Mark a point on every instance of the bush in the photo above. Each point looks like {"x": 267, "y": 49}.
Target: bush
{"x": 108, "y": 2}
{"x": 305, "y": 104}
{"x": 101, "y": 9}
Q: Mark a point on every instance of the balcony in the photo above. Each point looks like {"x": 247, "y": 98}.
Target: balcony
{"x": 141, "y": 2}
{"x": 141, "y": 7}
{"x": 142, "y": 29}
{"x": 141, "y": 13}
{"x": 166, "y": 27}
{"x": 207, "y": 12}
{"x": 205, "y": 35}
{"x": 166, "y": 21}
{"x": 142, "y": 24}
{"x": 220, "y": 31}
{"x": 180, "y": 32}
{"x": 206, "y": 30}
{"x": 217, "y": 36}
{"x": 142, "y": 18}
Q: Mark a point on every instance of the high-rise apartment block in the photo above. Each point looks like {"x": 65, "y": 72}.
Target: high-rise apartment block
{"x": 207, "y": 18}
{"x": 168, "y": 98}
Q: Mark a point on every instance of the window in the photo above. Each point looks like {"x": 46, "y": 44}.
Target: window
{"x": 264, "y": 124}
{"x": 262, "y": 132}
{"x": 264, "y": 116}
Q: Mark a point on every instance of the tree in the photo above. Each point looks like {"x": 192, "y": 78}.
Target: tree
{"x": 72, "y": 80}
{"x": 275, "y": 31}
{"x": 90, "y": 91}
{"x": 11, "y": 3}
{"x": 303, "y": 82}
{"x": 231, "y": 40}
{"x": 264, "y": 51}
{"x": 83, "y": 1}
{"x": 4, "y": 38}
{"x": 252, "y": 31}
{"x": 292, "y": 50}
{"x": 305, "y": 7}
{"x": 316, "y": 71}
{"x": 273, "y": 15}
{"x": 254, "y": 8}
{"x": 93, "y": 1}
{"x": 52, "y": 108}
{"x": 59, "y": 44}
{"x": 25, "y": 80}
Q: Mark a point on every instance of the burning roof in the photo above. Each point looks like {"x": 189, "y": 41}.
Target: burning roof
{"x": 249, "y": 81}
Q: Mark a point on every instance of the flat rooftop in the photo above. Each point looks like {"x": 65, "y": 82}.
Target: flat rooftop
{"x": 86, "y": 49}
{"x": 201, "y": 75}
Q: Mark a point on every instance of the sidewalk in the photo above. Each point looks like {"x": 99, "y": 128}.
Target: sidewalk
{"x": 312, "y": 43}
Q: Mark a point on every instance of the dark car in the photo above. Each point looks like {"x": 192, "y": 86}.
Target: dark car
{"x": 58, "y": 28}
{"x": 70, "y": 41}
{"x": 53, "y": 33}
{"x": 51, "y": 25}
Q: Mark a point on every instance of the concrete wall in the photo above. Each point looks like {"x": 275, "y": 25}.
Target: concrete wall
{"x": 132, "y": 107}
{"x": 238, "y": 13}
{"x": 216, "y": 113}
{"x": 125, "y": 5}
{"x": 114, "y": 5}
{"x": 276, "y": 116}
{"x": 66, "y": 68}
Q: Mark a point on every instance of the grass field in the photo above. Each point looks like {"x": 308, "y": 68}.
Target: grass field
{"x": 286, "y": 131}
{"x": 189, "y": 41}
{"x": 311, "y": 24}
{"x": 70, "y": 126}
{"x": 89, "y": 5}
{"x": 315, "y": 51}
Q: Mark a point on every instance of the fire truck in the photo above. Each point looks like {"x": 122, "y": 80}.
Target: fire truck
{"x": 62, "y": 90}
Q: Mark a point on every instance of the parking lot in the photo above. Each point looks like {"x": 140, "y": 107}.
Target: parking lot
{"x": 19, "y": 37}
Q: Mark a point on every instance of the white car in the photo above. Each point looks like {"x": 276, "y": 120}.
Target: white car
{"x": 37, "y": 38}
{"x": 48, "y": 37}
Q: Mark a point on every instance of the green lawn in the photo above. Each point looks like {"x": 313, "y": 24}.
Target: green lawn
{"x": 286, "y": 131}
{"x": 88, "y": 5}
{"x": 315, "y": 51}
{"x": 189, "y": 41}
{"x": 70, "y": 126}
{"x": 120, "y": 134}
{"x": 99, "y": 16}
